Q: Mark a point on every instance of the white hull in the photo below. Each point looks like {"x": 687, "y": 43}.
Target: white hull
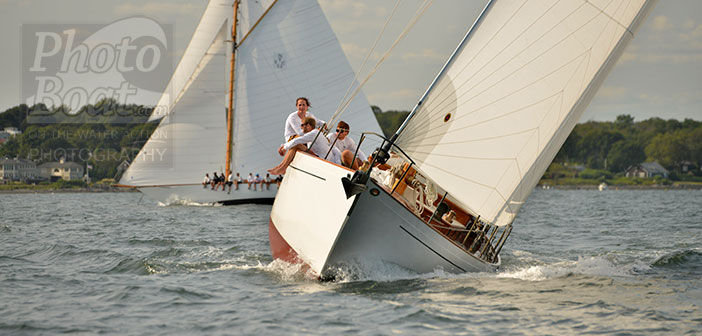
{"x": 325, "y": 230}
{"x": 197, "y": 194}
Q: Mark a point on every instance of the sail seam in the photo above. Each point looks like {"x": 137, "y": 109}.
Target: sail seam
{"x": 439, "y": 112}
{"x": 497, "y": 117}
{"x": 474, "y": 140}
{"x": 610, "y": 17}
{"x": 460, "y": 71}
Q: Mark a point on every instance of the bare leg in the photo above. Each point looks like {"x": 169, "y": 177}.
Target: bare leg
{"x": 348, "y": 160}
{"x": 283, "y": 166}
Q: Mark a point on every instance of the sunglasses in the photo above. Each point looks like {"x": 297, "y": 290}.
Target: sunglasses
{"x": 341, "y": 130}
{"x": 302, "y": 125}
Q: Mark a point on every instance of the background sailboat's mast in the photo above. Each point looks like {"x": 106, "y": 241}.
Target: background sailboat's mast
{"x": 230, "y": 111}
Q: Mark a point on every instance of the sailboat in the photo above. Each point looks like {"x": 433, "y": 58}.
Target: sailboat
{"x": 225, "y": 106}
{"x": 444, "y": 190}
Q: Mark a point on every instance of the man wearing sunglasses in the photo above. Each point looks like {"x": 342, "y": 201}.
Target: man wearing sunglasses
{"x": 319, "y": 147}
{"x": 346, "y": 146}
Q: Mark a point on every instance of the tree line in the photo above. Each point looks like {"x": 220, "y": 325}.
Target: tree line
{"x": 107, "y": 133}
{"x": 101, "y": 135}
{"x": 616, "y": 145}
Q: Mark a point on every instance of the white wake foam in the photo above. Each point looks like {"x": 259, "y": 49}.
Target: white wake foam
{"x": 597, "y": 266}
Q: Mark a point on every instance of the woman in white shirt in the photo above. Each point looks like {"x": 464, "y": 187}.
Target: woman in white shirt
{"x": 294, "y": 120}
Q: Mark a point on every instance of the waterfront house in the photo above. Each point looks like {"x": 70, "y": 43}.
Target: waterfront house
{"x": 17, "y": 170}
{"x": 63, "y": 169}
{"x": 647, "y": 169}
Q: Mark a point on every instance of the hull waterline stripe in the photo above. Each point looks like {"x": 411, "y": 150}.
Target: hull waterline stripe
{"x": 431, "y": 249}
{"x": 308, "y": 173}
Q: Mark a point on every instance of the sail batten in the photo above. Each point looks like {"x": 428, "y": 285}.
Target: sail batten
{"x": 505, "y": 105}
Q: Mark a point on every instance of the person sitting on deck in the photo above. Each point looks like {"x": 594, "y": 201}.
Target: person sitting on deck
{"x": 320, "y": 147}
{"x": 267, "y": 181}
{"x": 346, "y": 146}
{"x": 230, "y": 181}
{"x": 257, "y": 181}
{"x": 222, "y": 180}
{"x": 206, "y": 181}
{"x": 450, "y": 218}
{"x": 215, "y": 180}
{"x": 238, "y": 181}
{"x": 250, "y": 181}
{"x": 293, "y": 121}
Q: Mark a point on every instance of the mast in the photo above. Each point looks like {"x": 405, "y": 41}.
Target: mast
{"x": 230, "y": 112}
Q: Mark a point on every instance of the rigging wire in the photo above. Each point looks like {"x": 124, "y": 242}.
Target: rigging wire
{"x": 420, "y": 12}
{"x": 375, "y": 43}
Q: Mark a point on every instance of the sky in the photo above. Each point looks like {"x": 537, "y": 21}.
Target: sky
{"x": 659, "y": 75}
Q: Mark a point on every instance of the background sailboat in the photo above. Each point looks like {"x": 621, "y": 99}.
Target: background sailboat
{"x": 285, "y": 49}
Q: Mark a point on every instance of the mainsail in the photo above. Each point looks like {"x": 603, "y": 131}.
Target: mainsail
{"x": 506, "y": 103}
{"x": 286, "y": 49}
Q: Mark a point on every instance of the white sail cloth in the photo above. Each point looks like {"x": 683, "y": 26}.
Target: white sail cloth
{"x": 503, "y": 108}
{"x": 292, "y": 52}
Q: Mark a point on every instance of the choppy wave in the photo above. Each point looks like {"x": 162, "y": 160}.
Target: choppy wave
{"x": 176, "y": 201}
{"x": 680, "y": 258}
{"x": 685, "y": 263}
{"x": 167, "y": 242}
{"x": 593, "y": 266}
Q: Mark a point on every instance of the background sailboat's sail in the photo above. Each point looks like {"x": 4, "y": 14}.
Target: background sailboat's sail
{"x": 505, "y": 105}
{"x": 217, "y": 13}
{"x": 291, "y": 52}
{"x": 190, "y": 140}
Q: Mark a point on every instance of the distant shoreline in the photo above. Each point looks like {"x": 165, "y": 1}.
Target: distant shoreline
{"x": 67, "y": 190}
{"x": 539, "y": 186}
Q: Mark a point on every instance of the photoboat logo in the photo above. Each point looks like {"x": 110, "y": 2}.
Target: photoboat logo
{"x": 90, "y": 73}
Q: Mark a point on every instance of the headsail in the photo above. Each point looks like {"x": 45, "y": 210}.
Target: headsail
{"x": 217, "y": 13}
{"x": 190, "y": 140}
{"x": 503, "y": 108}
{"x": 293, "y": 52}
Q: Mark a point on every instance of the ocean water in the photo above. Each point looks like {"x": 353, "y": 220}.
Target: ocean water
{"x": 577, "y": 262}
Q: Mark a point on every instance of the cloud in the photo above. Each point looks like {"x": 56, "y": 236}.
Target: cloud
{"x": 613, "y": 92}
{"x": 651, "y": 99}
{"x": 424, "y": 55}
{"x": 401, "y": 94}
{"x": 661, "y": 24}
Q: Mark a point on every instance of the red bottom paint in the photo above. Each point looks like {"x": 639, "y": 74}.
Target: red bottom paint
{"x": 280, "y": 249}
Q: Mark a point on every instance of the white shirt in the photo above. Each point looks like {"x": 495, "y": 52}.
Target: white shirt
{"x": 250, "y": 179}
{"x": 346, "y": 144}
{"x": 320, "y": 147}
{"x": 292, "y": 124}
{"x": 229, "y": 178}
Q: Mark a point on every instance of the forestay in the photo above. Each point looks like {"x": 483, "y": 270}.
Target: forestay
{"x": 500, "y": 112}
